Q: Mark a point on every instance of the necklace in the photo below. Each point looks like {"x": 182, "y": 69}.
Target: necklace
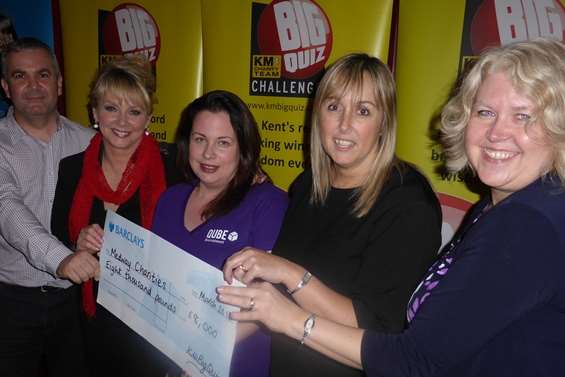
{"x": 441, "y": 266}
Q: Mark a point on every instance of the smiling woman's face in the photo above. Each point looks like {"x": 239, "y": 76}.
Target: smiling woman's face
{"x": 507, "y": 150}
{"x": 349, "y": 128}
{"x": 122, "y": 120}
{"x": 213, "y": 149}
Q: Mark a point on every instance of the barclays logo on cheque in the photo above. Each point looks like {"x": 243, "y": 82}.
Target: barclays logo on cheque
{"x": 126, "y": 234}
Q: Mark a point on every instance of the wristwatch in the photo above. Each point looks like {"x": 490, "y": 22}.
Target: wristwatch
{"x": 305, "y": 279}
{"x": 308, "y": 326}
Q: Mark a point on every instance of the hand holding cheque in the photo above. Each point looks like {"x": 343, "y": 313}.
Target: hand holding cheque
{"x": 173, "y": 308}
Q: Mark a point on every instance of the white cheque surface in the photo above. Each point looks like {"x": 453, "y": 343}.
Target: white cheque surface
{"x": 167, "y": 296}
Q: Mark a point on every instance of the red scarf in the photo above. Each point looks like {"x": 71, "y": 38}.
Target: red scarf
{"x": 144, "y": 171}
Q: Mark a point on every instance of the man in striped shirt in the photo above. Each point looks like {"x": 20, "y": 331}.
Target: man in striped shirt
{"x": 39, "y": 316}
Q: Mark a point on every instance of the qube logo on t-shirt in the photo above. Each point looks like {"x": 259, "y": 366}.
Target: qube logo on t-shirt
{"x": 221, "y": 236}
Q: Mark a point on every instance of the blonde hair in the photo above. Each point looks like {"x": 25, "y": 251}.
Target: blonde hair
{"x": 537, "y": 70}
{"x": 127, "y": 76}
{"x": 351, "y": 73}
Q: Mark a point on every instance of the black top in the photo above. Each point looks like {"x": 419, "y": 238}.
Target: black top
{"x": 376, "y": 260}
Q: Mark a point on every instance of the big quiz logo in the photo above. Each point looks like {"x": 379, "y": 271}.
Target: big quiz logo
{"x": 291, "y": 43}
{"x": 128, "y": 29}
{"x": 490, "y": 23}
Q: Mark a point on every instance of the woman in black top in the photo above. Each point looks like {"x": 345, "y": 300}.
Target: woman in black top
{"x": 361, "y": 228}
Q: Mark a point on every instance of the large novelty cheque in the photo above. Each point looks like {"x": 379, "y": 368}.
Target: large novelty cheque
{"x": 167, "y": 296}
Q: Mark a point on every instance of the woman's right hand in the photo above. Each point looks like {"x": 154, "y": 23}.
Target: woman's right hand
{"x": 250, "y": 264}
{"x": 90, "y": 238}
{"x": 264, "y": 303}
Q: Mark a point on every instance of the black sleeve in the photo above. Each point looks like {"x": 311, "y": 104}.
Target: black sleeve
{"x": 506, "y": 266}
{"x": 405, "y": 240}
{"x": 169, "y": 158}
{"x": 70, "y": 170}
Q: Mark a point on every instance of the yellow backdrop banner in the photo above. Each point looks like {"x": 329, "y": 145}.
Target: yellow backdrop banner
{"x": 168, "y": 33}
{"x": 272, "y": 54}
{"x": 435, "y": 40}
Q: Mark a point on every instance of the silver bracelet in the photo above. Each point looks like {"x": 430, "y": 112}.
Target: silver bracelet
{"x": 308, "y": 326}
{"x": 301, "y": 284}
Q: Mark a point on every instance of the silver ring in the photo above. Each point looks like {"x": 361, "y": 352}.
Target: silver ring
{"x": 251, "y": 304}
{"x": 242, "y": 268}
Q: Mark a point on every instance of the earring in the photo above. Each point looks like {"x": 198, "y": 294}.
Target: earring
{"x": 95, "y": 126}
{"x": 147, "y": 132}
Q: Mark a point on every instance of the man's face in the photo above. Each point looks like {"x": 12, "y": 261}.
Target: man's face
{"x": 32, "y": 83}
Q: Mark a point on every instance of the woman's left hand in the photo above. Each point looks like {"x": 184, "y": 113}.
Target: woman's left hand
{"x": 264, "y": 303}
{"x": 90, "y": 238}
{"x": 249, "y": 264}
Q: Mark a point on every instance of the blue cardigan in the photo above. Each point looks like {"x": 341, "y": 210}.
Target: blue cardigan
{"x": 500, "y": 308}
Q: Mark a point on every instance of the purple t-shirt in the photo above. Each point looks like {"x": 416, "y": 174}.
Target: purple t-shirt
{"x": 255, "y": 222}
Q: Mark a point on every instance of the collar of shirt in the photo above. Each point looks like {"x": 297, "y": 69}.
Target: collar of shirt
{"x": 17, "y": 133}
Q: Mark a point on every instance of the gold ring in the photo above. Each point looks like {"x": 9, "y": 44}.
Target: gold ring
{"x": 242, "y": 268}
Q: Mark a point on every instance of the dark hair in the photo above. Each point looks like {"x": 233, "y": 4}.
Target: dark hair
{"x": 24, "y": 44}
{"x": 248, "y": 139}
{"x": 7, "y": 31}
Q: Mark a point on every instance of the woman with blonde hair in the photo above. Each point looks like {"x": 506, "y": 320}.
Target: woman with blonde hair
{"x": 493, "y": 304}
{"x": 361, "y": 228}
{"x": 121, "y": 170}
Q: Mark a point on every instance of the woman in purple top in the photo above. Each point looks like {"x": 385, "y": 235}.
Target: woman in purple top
{"x": 219, "y": 210}
{"x": 494, "y": 302}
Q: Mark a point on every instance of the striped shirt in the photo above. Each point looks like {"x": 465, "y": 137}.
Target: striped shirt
{"x": 29, "y": 253}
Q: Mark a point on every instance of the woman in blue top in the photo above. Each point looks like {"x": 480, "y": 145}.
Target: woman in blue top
{"x": 494, "y": 302}
{"x": 219, "y": 210}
